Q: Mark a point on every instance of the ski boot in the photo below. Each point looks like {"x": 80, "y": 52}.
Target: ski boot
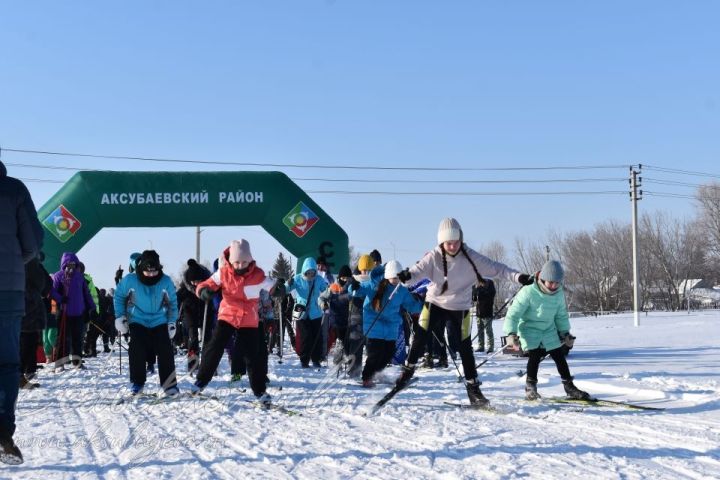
{"x": 573, "y": 392}
{"x": 197, "y": 388}
{"x": 443, "y": 362}
{"x": 106, "y": 348}
{"x": 136, "y": 389}
{"x": 172, "y": 392}
{"x": 9, "y": 452}
{"x": 427, "y": 361}
{"x": 531, "y": 392}
{"x": 407, "y": 371}
{"x": 236, "y": 377}
{"x": 368, "y": 383}
{"x": 474, "y": 394}
{"x": 265, "y": 399}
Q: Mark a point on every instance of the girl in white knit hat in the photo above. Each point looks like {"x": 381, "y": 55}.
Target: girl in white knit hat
{"x": 453, "y": 268}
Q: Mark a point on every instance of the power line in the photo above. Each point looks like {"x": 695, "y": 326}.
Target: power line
{"x": 346, "y": 192}
{"x": 671, "y": 182}
{"x": 294, "y": 165}
{"x": 668, "y": 195}
{"x": 681, "y": 172}
{"x": 364, "y": 180}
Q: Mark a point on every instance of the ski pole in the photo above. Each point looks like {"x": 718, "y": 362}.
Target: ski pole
{"x": 202, "y": 341}
{"x": 281, "y": 338}
{"x": 498, "y": 352}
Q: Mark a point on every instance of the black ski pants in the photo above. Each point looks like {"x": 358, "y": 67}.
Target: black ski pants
{"x": 379, "y": 354}
{"x": 310, "y": 340}
{"x": 536, "y": 355}
{"x": 157, "y": 341}
{"x": 246, "y": 341}
{"x": 28, "y": 352}
{"x": 434, "y": 318}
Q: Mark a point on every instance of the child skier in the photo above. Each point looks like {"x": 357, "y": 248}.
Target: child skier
{"x": 384, "y": 297}
{"x": 539, "y": 315}
{"x": 308, "y": 286}
{"x": 452, "y": 268}
{"x": 241, "y": 281}
{"x": 146, "y": 307}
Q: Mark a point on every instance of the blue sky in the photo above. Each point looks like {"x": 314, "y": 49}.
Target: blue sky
{"x": 434, "y": 84}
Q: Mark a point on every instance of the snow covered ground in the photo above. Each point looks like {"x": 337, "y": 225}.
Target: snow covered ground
{"x": 69, "y": 428}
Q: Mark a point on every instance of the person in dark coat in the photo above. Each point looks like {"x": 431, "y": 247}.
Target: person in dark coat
{"x": 484, "y": 310}
{"x": 193, "y": 310}
{"x": 21, "y": 239}
{"x": 37, "y": 286}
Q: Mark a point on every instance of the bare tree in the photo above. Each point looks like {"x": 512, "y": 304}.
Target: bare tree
{"x": 708, "y": 197}
{"x": 677, "y": 251}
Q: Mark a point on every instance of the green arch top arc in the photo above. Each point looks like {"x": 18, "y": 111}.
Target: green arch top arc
{"x": 93, "y": 200}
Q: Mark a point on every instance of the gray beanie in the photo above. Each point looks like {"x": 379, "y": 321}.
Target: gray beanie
{"x": 552, "y": 271}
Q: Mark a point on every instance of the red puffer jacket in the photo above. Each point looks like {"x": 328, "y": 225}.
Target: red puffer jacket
{"x": 239, "y": 305}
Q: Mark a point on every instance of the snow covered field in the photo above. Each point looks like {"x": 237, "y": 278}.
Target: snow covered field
{"x": 69, "y": 428}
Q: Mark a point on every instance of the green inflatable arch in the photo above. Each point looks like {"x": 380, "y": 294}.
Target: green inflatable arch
{"x": 90, "y": 201}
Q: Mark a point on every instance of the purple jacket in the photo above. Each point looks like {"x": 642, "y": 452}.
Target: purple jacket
{"x": 75, "y": 288}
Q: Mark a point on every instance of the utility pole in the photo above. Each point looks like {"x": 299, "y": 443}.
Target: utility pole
{"x": 547, "y": 253}
{"x": 197, "y": 244}
{"x": 635, "y": 195}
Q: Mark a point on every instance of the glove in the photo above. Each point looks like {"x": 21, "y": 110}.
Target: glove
{"x": 279, "y": 288}
{"x": 512, "y": 339}
{"x": 404, "y": 276}
{"x": 525, "y": 279}
{"x": 567, "y": 339}
{"x": 171, "y": 330}
{"x": 118, "y": 274}
{"x": 206, "y": 294}
{"x": 121, "y": 324}
{"x": 355, "y": 285}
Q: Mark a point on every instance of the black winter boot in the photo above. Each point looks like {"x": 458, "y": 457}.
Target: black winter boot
{"x": 474, "y": 394}
{"x": 573, "y": 392}
{"x": 407, "y": 372}
{"x": 427, "y": 361}
{"x": 9, "y": 452}
{"x": 531, "y": 392}
{"x": 443, "y": 362}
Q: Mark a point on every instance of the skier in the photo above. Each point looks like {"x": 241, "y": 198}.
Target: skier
{"x": 308, "y": 285}
{"x": 70, "y": 290}
{"x": 240, "y": 280}
{"x": 355, "y": 334}
{"x": 337, "y": 299}
{"x": 384, "y": 298}
{"x": 452, "y": 268}
{"x": 146, "y": 307}
{"x": 539, "y": 316}
{"x": 193, "y": 310}
{"x": 484, "y": 302}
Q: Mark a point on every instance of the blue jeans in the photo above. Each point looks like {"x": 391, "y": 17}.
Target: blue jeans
{"x": 12, "y": 305}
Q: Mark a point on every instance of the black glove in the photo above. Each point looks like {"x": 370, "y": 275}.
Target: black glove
{"x": 118, "y": 275}
{"x": 525, "y": 279}
{"x": 355, "y": 285}
{"x": 206, "y": 294}
{"x": 404, "y": 276}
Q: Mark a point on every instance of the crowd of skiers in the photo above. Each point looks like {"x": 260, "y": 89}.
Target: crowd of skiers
{"x": 371, "y": 315}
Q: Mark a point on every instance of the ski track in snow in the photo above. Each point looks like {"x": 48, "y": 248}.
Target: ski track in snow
{"x": 70, "y": 428}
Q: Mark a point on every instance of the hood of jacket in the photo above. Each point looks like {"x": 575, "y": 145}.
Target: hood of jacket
{"x": 68, "y": 257}
{"x": 309, "y": 264}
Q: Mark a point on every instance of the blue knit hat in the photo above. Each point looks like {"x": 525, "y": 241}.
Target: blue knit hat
{"x": 552, "y": 271}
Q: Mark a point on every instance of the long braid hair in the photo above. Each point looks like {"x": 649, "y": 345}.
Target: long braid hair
{"x": 377, "y": 299}
{"x": 480, "y": 279}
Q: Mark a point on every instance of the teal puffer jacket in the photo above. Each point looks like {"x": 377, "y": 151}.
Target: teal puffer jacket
{"x": 538, "y": 318}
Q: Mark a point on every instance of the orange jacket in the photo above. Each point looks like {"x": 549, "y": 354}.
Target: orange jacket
{"x": 239, "y": 305}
